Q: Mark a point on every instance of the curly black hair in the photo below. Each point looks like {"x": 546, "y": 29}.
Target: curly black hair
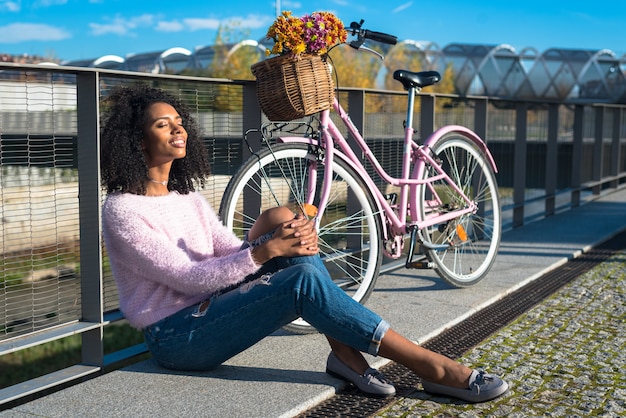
{"x": 123, "y": 164}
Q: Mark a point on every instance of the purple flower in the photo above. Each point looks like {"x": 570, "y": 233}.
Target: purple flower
{"x": 314, "y": 32}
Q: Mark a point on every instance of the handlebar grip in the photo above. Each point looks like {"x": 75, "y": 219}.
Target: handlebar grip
{"x": 380, "y": 37}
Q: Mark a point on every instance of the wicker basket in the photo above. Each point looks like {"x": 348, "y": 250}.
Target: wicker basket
{"x": 293, "y": 87}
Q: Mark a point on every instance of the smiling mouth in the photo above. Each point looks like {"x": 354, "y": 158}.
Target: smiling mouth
{"x": 179, "y": 142}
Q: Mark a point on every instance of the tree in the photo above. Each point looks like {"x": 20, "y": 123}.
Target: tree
{"x": 353, "y": 68}
{"x": 233, "y": 57}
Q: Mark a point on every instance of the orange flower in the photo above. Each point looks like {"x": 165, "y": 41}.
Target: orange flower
{"x": 312, "y": 34}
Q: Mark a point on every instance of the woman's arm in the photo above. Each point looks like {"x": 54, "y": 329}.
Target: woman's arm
{"x": 143, "y": 248}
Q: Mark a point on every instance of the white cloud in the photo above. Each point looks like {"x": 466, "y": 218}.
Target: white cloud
{"x": 117, "y": 27}
{"x": 402, "y": 7}
{"x": 23, "y": 32}
{"x": 143, "y": 20}
{"x": 48, "y": 3}
{"x": 175, "y": 26}
{"x": 125, "y": 26}
{"x": 121, "y": 26}
{"x": 10, "y": 6}
{"x": 254, "y": 22}
{"x": 194, "y": 24}
{"x": 289, "y": 5}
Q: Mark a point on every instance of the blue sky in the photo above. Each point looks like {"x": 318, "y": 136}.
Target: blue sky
{"x": 80, "y": 29}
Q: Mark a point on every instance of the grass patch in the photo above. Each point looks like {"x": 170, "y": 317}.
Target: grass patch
{"x": 16, "y": 266}
{"x": 37, "y": 361}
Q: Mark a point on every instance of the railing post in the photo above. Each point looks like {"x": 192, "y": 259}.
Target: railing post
{"x": 615, "y": 147}
{"x": 480, "y": 128}
{"x": 252, "y": 115}
{"x": 91, "y": 277}
{"x": 356, "y": 108}
{"x": 480, "y": 118}
{"x": 552, "y": 159}
{"x": 598, "y": 150}
{"x": 252, "y": 118}
{"x": 519, "y": 164}
{"x": 577, "y": 154}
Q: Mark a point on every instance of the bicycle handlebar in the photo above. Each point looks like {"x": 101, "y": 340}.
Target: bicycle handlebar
{"x": 363, "y": 34}
{"x": 380, "y": 37}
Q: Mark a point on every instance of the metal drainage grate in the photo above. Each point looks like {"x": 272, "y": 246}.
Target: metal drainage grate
{"x": 460, "y": 338}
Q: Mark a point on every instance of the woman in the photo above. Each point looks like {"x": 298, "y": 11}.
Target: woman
{"x": 200, "y": 294}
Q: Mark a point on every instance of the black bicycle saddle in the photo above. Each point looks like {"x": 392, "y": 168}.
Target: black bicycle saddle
{"x": 419, "y": 79}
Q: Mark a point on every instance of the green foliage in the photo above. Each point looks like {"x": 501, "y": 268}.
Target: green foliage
{"x": 353, "y": 68}
{"x": 37, "y": 361}
{"x": 14, "y": 267}
{"x": 232, "y": 59}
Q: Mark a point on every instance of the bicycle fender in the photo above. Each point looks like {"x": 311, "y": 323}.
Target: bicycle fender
{"x": 298, "y": 139}
{"x": 337, "y": 154}
{"x": 466, "y": 133}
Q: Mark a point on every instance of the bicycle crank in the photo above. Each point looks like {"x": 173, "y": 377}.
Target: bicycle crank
{"x": 423, "y": 263}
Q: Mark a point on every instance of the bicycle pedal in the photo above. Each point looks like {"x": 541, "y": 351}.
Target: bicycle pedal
{"x": 420, "y": 265}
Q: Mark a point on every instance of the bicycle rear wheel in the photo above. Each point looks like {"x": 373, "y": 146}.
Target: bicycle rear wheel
{"x": 462, "y": 249}
{"x": 349, "y": 229}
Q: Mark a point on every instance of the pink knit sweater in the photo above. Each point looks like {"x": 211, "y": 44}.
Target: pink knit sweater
{"x": 169, "y": 252}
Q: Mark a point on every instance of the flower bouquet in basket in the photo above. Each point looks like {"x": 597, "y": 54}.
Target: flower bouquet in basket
{"x": 297, "y": 81}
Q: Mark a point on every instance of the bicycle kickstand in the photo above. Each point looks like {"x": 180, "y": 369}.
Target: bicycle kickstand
{"x": 423, "y": 263}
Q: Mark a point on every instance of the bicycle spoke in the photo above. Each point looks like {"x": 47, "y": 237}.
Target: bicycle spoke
{"x": 281, "y": 177}
{"x": 472, "y": 239}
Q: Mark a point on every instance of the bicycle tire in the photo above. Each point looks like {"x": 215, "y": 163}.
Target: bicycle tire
{"x": 462, "y": 249}
{"x": 349, "y": 239}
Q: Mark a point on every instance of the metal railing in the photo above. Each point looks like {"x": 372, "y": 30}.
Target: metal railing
{"x": 54, "y": 277}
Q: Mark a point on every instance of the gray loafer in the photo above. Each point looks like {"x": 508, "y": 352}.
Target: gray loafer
{"x": 482, "y": 387}
{"x": 371, "y": 382}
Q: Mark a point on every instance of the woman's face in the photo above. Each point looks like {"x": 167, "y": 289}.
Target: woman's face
{"x": 165, "y": 138}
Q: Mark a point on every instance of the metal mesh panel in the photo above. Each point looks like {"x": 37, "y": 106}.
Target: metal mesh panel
{"x": 454, "y": 112}
{"x": 588, "y": 145}
{"x": 622, "y": 156}
{"x": 564, "y": 147}
{"x": 607, "y": 138}
{"x": 536, "y": 142}
{"x": 39, "y": 251}
{"x": 384, "y": 134}
{"x": 500, "y": 140}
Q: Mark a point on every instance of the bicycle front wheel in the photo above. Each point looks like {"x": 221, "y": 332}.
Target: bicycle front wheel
{"x": 349, "y": 229}
{"x": 462, "y": 249}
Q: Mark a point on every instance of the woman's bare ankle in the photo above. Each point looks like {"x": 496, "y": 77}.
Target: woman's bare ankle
{"x": 457, "y": 376}
{"x": 349, "y": 356}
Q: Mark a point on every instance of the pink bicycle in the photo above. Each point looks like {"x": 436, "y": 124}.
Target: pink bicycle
{"x": 445, "y": 202}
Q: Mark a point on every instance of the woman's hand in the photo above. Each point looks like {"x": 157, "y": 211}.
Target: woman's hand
{"x": 295, "y": 237}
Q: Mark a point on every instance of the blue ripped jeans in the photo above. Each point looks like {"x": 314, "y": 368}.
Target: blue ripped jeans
{"x": 201, "y": 337}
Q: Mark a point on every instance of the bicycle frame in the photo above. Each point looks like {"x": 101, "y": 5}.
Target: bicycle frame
{"x": 335, "y": 145}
